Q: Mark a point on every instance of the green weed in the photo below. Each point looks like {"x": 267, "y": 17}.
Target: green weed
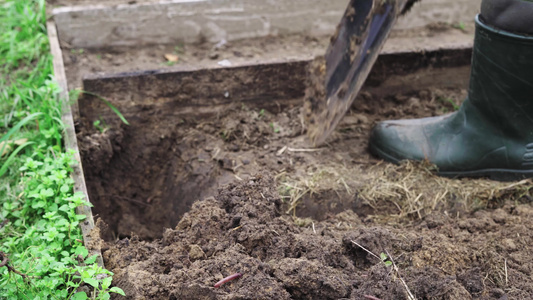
{"x": 179, "y": 49}
{"x": 111, "y": 106}
{"x": 100, "y": 125}
{"x": 449, "y": 102}
{"x": 39, "y": 230}
{"x": 461, "y": 26}
{"x": 385, "y": 259}
{"x": 274, "y": 127}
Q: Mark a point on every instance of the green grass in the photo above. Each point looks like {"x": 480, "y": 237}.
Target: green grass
{"x": 39, "y": 230}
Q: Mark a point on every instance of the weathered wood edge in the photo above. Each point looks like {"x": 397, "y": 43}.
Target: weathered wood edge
{"x": 186, "y": 21}
{"x": 387, "y": 64}
{"x": 190, "y": 21}
{"x": 202, "y": 91}
{"x": 71, "y": 142}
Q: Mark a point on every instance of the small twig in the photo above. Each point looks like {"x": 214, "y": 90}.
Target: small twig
{"x": 371, "y": 297}
{"x": 365, "y": 162}
{"x": 5, "y": 260}
{"x": 11, "y": 269}
{"x": 505, "y": 267}
{"x": 313, "y": 223}
{"x": 348, "y": 189}
{"x": 305, "y": 150}
{"x": 367, "y": 251}
{"x": 411, "y": 297}
{"x": 237, "y": 228}
{"x": 5, "y": 263}
{"x": 280, "y": 151}
{"x": 69, "y": 241}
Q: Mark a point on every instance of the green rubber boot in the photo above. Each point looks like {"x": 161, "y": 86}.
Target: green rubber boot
{"x": 491, "y": 135}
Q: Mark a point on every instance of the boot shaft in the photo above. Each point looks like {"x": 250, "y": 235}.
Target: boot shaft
{"x": 501, "y": 83}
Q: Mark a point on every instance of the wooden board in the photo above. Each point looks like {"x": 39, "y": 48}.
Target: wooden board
{"x": 205, "y": 91}
{"x": 71, "y": 143}
{"x": 190, "y": 21}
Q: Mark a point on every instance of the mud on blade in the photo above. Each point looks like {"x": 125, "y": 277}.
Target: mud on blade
{"x": 354, "y": 48}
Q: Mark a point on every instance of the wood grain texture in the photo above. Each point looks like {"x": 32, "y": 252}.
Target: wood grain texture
{"x": 207, "y": 90}
{"x": 189, "y": 21}
{"x": 71, "y": 144}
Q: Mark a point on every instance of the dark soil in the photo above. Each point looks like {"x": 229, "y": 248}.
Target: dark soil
{"x": 223, "y": 185}
{"x": 152, "y": 179}
{"x": 189, "y": 197}
{"x": 143, "y": 177}
{"x": 243, "y": 229}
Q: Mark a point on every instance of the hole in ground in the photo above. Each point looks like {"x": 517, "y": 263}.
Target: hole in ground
{"x": 142, "y": 179}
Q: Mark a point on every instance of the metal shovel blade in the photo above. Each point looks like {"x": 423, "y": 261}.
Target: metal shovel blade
{"x": 354, "y": 48}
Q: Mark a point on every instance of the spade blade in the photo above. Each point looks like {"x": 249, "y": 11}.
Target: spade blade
{"x": 354, "y": 48}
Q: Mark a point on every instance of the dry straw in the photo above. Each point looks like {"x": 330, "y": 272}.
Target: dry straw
{"x": 411, "y": 189}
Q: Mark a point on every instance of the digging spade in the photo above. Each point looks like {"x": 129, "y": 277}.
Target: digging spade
{"x": 353, "y": 49}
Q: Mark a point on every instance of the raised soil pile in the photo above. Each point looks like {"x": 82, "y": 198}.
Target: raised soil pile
{"x": 484, "y": 255}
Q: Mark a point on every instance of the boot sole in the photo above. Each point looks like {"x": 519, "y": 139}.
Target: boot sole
{"x": 493, "y": 174}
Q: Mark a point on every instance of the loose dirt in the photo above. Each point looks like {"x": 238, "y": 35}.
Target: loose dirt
{"x": 243, "y": 229}
{"x": 242, "y": 192}
{"x": 184, "y": 200}
{"x": 143, "y": 177}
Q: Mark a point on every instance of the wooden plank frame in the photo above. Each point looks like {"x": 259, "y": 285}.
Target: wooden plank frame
{"x": 190, "y": 21}
{"x": 261, "y": 85}
{"x": 71, "y": 144}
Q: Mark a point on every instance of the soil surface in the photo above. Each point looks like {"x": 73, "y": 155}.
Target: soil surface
{"x": 294, "y": 220}
{"x": 483, "y": 255}
{"x": 185, "y": 200}
{"x": 144, "y": 176}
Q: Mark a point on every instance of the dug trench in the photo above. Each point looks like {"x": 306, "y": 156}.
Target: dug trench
{"x": 214, "y": 176}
